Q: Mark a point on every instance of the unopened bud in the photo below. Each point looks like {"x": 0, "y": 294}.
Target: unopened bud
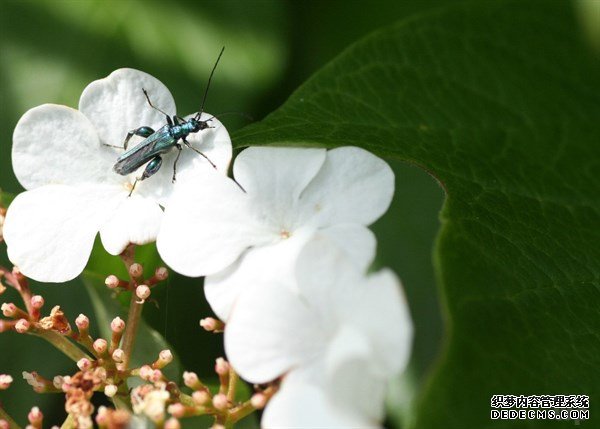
{"x": 191, "y": 380}
{"x": 84, "y": 364}
{"x": 112, "y": 281}
{"x": 37, "y": 301}
{"x": 220, "y": 401}
{"x": 117, "y": 325}
{"x": 176, "y": 410}
{"x": 161, "y": 274}
{"x": 118, "y": 355}
{"x": 9, "y": 309}
{"x": 110, "y": 390}
{"x": 142, "y": 292}
{"x": 201, "y": 397}
{"x": 211, "y": 324}
{"x": 165, "y": 357}
{"x": 4, "y": 424}
{"x": 258, "y": 401}
{"x": 58, "y": 381}
{"x": 100, "y": 346}
{"x": 35, "y": 416}
{"x": 5, "y": 381}
{"x": 136, "y": 270}
{"x": 221, "y": 366}
{"x": 156, "y": 376}
{"x": 146, "y": 372}
{"x": 82, "y": 321}
{"x": 22, "y": 326}
{"x": 172, "y": 423}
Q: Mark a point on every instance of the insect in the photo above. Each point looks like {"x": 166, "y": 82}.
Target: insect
{"x": 156, "y": 143}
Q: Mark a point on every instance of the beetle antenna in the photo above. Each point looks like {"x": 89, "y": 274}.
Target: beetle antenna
{"x": 199, "y": 114}
{"x": 242, "y": 114}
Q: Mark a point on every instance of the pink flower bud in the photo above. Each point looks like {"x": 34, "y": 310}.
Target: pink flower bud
{"x": 110, "y": 390}
{"x": 172, "y": 423}
{"x": 220, "y": 401}
{"x": 117, "y": 325}
{"x": 58, "y": 381}
{"x": 82, "y": 321}
{"x": 191, "y": 380}
{"x": 35, "y": 416}
{"x": 156, "y": 376}
{"x": 161, "y": 274}
{"x": 112, "y": 281}
{"x": 5, "y": 381}
{"x": 221, "y": 366}
{"x": 176, "y": 410}
{"x": 4, "y": 424}
{"x": 22, "y": 326}
{"x": 142, "y": 292}
{"x": 146, "y": 372}
{"x": 118, "y": 355}
{"x": 258, "y": 401}
{"x": 9, "y": 309}
{"x": 37, "y": 302}
{"x": 84, "y": 364}
{"x": 201, "y": 397}
{"x": 100, "y": 346}
{"x": 136, "y": 270}
{"x": 166, "y": 355}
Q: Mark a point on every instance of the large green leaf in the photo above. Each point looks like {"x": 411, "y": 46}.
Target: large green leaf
{"x": 500, "y": 101}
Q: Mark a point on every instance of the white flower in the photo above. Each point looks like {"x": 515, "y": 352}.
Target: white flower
{"x": 59, "y": 155}
{"x": 332, "y": 331}
{"x": 235, "y": 234}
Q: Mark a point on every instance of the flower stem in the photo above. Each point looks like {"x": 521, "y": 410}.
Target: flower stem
{"x": 240, "y": 412}
{"x": 61, "y": 343}
{"x": 133, "y": 322}
{"x": 11, "y": 423}
{"x": 69, "y": 423}
{"x": 233, "y": 379}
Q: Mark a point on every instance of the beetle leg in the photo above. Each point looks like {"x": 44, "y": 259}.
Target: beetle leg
{"x": 156, "y": 108}
{"x": 151, "y": 168}
{"x": 187, "y": 143}
{"x": 178, "y": 146}
{"x": 141, "y": 131}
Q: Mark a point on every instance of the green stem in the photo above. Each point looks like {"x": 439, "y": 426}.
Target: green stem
{"x": 233, "y": 379}
{"x": 242, "y": 411}
{"x": 61, "y": 343}
{"x": 11, "y": 423}
{"x": 133, "y": 322}
{"x": 69, "y": 423}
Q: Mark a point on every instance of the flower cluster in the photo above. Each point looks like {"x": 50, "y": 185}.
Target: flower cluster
{"x": 283, "y": 244}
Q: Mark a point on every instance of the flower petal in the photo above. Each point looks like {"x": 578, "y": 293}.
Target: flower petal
{"x": 55, "y": 144}
{"x": 274, "y": 177}
{"x": 214, "y": 142}
{"x": 356, "y": 241}
{"x": 299, "y": 404}
{"x": 135, "y": 220}
{"x": 50, "y": 230}
{"x": 117, "y": 105}
{"x": 208, "y": 225}
{"x": 271, "y": 331}
{"x": 353, "y": 186}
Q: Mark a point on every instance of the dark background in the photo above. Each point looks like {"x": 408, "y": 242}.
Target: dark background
{"x": 50, "y": 50}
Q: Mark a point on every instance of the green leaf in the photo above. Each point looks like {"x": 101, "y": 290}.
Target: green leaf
{"x": 500, "y": 101}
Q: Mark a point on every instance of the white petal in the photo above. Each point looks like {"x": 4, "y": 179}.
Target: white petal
{"x": 356, "y": 241}
{"x": 353, "y": 380}
{"x": 271, "y": 331}
{"x": 116, "y": 104}
{"x": 275, "y": 177}
{"x": 134, "y": 220}
{"x": 50, "y": 230}
{"x": 258, "y": 265}
{"x": 353, "y": 186}
{"x": 304, "y": 405}
{"x": 208, "y": 225}
{"x": 215, "y": 143}
{"x": 55, "y": 144}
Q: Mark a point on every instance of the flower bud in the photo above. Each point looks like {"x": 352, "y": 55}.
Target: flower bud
{"x": 112, "y": 281}
{"x": 84, "y": 364}
{"x": 100, "y": 346}
{"x": 211, "y": 324}
{"x": 4, "y": 424}
{"x": 5, "y": 381}
{"x": 22, "y": 326}
{"x": 191, "y": 380}
{"x": 146, "y": 372}
{"x": 161, "y": 274}
{"x": 176, "y": 410}
{"x": 220, "y": 401}
{"x": 9, "y": 309}
{"x": 82, "y": 322}
{"x": 37, "y": 302}
{"x": 155, "y": 376}
{"x": 136, "y": 270}
{"x": 142, "y": 292}
{"x": 172, "y": 423}
{"x": 118, "y": 355}
{"x": 221, "y": 366}
{"x": 35, "y": 417}
{"x": 110, "y": 390}
{"x": 117, "y": 325}
{"x": 201, "y": 397}
{"x": 258, "y": 401}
